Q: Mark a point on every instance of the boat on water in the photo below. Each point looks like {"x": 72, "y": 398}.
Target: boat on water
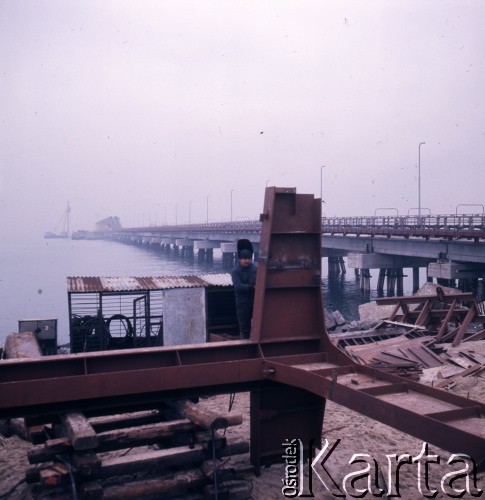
{"x": 62, "y": 228}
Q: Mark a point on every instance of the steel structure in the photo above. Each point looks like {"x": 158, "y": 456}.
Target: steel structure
{"x": 289, "y": 364}
{"x": 450, "y": 226}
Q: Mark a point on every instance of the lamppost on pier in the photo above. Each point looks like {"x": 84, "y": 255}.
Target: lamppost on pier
{"x": 190, "y": 209}
{"x": 207, "y": 210}
{"x": 419, "y": 178}
{"x": 321, "y": 183}
{"x": 232, "y": 190}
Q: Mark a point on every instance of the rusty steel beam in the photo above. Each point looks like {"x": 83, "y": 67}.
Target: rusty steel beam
{"x": 289, "y": 363}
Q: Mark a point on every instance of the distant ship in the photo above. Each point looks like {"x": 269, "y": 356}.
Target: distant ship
{"x": 62, "y": 228}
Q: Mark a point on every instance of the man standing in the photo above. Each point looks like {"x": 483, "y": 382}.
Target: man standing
{"x": 244, "y": 280}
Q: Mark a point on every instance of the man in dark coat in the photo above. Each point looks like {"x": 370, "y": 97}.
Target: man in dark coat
{"x": 244, "y": 281}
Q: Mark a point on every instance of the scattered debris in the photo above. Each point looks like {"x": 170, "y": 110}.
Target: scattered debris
{"x": 406, "y": 335}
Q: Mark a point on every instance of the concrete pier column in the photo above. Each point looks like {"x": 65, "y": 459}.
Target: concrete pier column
{"x": 391, "y": 282}
{"x": 380, "y": 282}
{"x": 186, "y": 247}
{"x": 341, "y": 262}
{"x": 229, "y": 254}
{"x": 365, "y": 280}
{"x": 400, "y": 281}
{"x": 209, "y": 255}
{"x": 333, "y": 266}
{"x": 481, "y": 290}
{"x": 415, "y": 279}
{"x": 205, "y": 249}
{"x": 228, "y": 260}
{"x": 168, "y": 242}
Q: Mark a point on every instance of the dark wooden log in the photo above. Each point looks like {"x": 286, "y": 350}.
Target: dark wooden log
{"x": 50, "y": 475}
{"x": 51, "y": 448}
{"x": 224, "y": 473}
{"x": 203, "y": 417}
{"x": 116, "y": 439}
{"x": 238, "y": 448}
{"x": 109, "y": 422}
{"x": 156, "y": 488}
{"x": 92, "y": 490}
{"x": 128, "y": 464}
{"x": 142, "y": 435}
{"x": 79, "y": 431}
{"x": 208, "y": 440}
{"x": 87, "y": 464}
{"x": 235, "y": 490}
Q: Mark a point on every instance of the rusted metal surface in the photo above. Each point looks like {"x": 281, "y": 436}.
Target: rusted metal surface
{"x": 87, "y": 284}
{"x": 446, "y": 420}
{"x": 289, "y": 363}
{"x": 435, "y": 312}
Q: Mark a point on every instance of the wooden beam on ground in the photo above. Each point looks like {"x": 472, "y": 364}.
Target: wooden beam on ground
{"x": 464, "y": 326}
{"x": 444, "y": 324}
{"x": 159, "y": 488}
{"x": 203, "y": 417}
{"x": 79, "y": 431}
{"x": 118, "y": 421}
{"x": 155, "y": 459}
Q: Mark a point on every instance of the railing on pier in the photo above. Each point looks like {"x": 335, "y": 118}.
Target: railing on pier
{"x": 451, "y": 226}
{"x": 431, "y": 226}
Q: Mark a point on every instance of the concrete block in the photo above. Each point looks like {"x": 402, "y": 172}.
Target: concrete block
{"x": 329, "y": 320}
{"x": 339, "y": 319}
{"x": 372, "y": 312}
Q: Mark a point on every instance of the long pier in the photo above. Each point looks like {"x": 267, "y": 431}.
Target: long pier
{"x": 450, "y": 246}
{"x": 289, "y": 364}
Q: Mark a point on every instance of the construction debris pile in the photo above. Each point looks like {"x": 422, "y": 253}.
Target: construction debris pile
{"x": 406, "y": 335}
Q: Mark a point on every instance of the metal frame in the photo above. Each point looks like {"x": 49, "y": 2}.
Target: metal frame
{"x": 289, "y": 364}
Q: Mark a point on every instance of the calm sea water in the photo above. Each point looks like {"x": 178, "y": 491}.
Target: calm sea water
{"x": 33, "y": 275}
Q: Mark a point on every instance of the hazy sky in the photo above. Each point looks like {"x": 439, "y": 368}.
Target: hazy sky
{"x": 143, "y": 108}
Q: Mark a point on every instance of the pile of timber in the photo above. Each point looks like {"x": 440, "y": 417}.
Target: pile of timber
{"x": 463, "y": 364}
{"x": 399, "y": 355}
{"x": 138, "y": 455}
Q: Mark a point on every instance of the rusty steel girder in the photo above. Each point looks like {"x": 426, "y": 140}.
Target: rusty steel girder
{"x": 289, "y": 364}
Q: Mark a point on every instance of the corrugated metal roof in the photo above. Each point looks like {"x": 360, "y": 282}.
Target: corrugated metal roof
{"x": 86, "y": 284}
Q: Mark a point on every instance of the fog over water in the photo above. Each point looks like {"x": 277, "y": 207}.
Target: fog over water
{"x": 183, "y": 111}
{"x": 34, "y": 273}
{"x": 157, "y": 110}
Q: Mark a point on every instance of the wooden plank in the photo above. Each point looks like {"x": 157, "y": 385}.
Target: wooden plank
{"x": 118, "y": 421}
{"x": 86, "y": 464}
{"x": 476, "y": 336}
{"x": 47, "y": 452}
{"x": 156, "y": 488}
{"x": 142, "y": 435}
{"x": 128, "y": 464}
{"x": 464, "y": 326}
{"x": 79, "y": 431}
{"x": 423, "y": 316}
{"x": 444, "y": 324}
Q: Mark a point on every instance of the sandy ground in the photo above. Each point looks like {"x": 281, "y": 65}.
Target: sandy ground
{"x": 358, "y": 434}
